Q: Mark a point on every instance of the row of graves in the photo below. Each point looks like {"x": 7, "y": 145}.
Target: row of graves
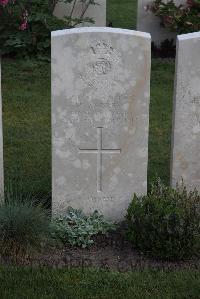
{"x": 100, "y": 118}
{"x": 146, "y": 20}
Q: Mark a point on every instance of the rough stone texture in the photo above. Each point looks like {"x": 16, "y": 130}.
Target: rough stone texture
{"x": 100, "y": 118}
{"x": 148, "y": 22}
{"x": 1, "y": 141}
{"x": 186, "y": 127}
{"x": 96, "y": 12}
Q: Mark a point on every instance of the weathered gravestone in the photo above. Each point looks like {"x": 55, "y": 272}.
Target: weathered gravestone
{"x": 1, "y": 140}
{"x": 100, "y": 116}
{"x": 186, "y": 128}
{"x": 148, "y": 22}
{"x": 96, "y": 12}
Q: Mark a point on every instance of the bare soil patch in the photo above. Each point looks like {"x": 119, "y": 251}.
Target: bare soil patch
{"x": 111, "y": 252}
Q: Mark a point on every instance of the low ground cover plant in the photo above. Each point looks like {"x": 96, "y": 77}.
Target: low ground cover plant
{"x": 166, "y": 223}
{"x": 77, "y": 229}
{"x": 24, "y": 224}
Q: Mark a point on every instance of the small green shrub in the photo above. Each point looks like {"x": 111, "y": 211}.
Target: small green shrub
{"x": 77, "y": 229}
{"x": 23, "y": 226}
{"x": 165, "y": 223}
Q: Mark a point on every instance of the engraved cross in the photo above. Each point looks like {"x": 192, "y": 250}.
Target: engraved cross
{"x": 99, "y": 151}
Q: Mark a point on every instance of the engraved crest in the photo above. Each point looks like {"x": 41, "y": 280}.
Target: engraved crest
{"x": 99, "y": 65}
{"x": 103, "y": 53}
{"x": 102, "y": 66}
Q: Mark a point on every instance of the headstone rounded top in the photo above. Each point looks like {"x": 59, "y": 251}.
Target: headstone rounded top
{"x": 189, "y": 35}
{"x": 185, "y": 162}
{"x": 100, "y": 30}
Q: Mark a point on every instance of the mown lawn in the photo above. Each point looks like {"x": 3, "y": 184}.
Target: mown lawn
{"x": 162, "y": 82}
{"x": 27, "y": 129}
{"x": 27, "y": 154}
{"x": 26, "y": 113}
{"x": 93, "y": 284}
{"x": 122, "y": 13}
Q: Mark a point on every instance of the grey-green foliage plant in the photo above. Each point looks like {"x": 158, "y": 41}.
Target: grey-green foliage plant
{"x": 166, "y": 223}
{"x": 24, "y": 224}
{"x": 77, "y": 229}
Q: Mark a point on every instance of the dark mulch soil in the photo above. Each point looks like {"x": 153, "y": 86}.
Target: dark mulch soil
{"x": 111, "y": 252}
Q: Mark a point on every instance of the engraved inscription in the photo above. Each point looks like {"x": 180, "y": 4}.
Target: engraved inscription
{"x": 97, "y": 198}
{"x": 196, "y": 102}
{"x": 99, "y": 151}
{"x": 106, "y": 112}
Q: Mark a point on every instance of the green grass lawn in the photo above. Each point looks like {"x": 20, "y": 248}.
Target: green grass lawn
{"x": 26, "y": 115}
{"x": 93, "y": 284}
{"x": 162, "y": 83}
{"x": 27, "y": 129}
{"x": 27, "y": 154}
{"x": 122, "y": 13}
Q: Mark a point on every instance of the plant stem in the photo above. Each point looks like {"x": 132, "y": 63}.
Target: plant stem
{"x": 73, "y": 7}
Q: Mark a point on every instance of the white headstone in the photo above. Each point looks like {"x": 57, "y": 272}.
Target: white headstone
{"x": 100, "y": 118}
{"x": 148, "y": 22}
{"x": 1, "y": 141}
{"x": 186, "y": 128}
{"x": 96, "y": 12}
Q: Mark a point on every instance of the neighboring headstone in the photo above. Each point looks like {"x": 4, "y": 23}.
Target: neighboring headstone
{"x": 100, "y": 118}
{"x": 148, "y": 22}
{"x": 1, "y": 141}
{"x": 186, "y": 128}
{"x": 96, "y": 12}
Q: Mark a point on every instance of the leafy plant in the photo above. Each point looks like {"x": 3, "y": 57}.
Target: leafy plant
{"x": 26, "y": 26}
{"x": 183, "y": 18}
{"x": 166, "y": 222}
{"x": 77, "y": 229}
{"x": 23, "y": 225}
{"x": 72, "y": 19}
